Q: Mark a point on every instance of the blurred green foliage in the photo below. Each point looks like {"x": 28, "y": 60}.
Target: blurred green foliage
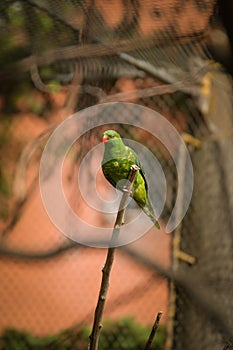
{"x": 31, "y": 28}
{"x": 128, "y": 334}
{"x": 120, "y": 335}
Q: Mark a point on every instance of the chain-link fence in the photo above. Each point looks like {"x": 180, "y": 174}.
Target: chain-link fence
{"x": 59, "y": 58}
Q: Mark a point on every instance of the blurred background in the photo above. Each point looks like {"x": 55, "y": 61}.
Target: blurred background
{"x": 58, "y": 58}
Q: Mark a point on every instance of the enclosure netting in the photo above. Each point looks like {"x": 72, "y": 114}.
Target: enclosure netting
{"x": 158, "y": 54}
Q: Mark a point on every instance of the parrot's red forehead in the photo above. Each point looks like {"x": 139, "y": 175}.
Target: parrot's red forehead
{"x": 105, "y": 138}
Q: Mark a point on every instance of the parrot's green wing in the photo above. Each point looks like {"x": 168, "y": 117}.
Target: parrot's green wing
{"x": 108, "y": 176}
{"x": 147, "y": 207}
{"x": 138, "y": 163}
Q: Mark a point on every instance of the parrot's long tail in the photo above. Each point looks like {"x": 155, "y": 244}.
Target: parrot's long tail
{"x": 149, "y": 211}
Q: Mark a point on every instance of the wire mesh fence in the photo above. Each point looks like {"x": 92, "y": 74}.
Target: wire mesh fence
{"x": 59, "y": 58}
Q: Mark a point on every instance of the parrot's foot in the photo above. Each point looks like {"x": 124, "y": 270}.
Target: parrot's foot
{"x": 123, "y": 219}
{"x": 125, "y": 189}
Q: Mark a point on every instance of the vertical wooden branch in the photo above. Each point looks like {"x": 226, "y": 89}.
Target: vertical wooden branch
{"x": 153, "y": 331}
{"x": 97, "y": 324}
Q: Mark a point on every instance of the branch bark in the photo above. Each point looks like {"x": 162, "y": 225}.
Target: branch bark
{"x": 97, "y": 325}
{"x": 153, "y": 331}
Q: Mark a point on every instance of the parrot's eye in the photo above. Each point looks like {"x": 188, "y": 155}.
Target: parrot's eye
{"x": 112, "y": 136}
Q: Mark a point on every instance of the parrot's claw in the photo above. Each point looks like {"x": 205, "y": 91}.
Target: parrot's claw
{"x": 125, "y": 189}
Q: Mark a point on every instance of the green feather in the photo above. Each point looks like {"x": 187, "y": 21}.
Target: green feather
{"x": 117, "y": 161}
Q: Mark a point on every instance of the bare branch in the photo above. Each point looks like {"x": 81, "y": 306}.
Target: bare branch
{"x": 39, "y": 255}
{"x": 19, "y": 187}
{"x": 161, "y": 73}
{"x": 142, "y": 93}
{"x": 36, "y": 79}
{"x": 90, "y": 50}
{"x": 153, "y": 331}
{"x": 97, "y": 325}
{"x": 52, "y": 14}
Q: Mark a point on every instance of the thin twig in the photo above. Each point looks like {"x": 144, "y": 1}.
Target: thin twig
{"x": 97, "y": 325}
{"x": 146, "y": 92}
{"x": 52, "y": 14}
{"x": 162, "y": 73}
{"x": 200, "y": 295}
{"x": 228, "y": 345}
{"x": 91, "y": 50}
{"x": 153, "y": 331}
{"x": 19, "y": 188}
{"x": 37, "y": 256}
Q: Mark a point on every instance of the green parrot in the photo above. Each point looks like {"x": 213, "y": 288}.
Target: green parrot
{"x": 117, "y": 161}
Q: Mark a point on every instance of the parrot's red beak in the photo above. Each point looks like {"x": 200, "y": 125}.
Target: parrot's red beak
{"x": 105, "y": 138}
